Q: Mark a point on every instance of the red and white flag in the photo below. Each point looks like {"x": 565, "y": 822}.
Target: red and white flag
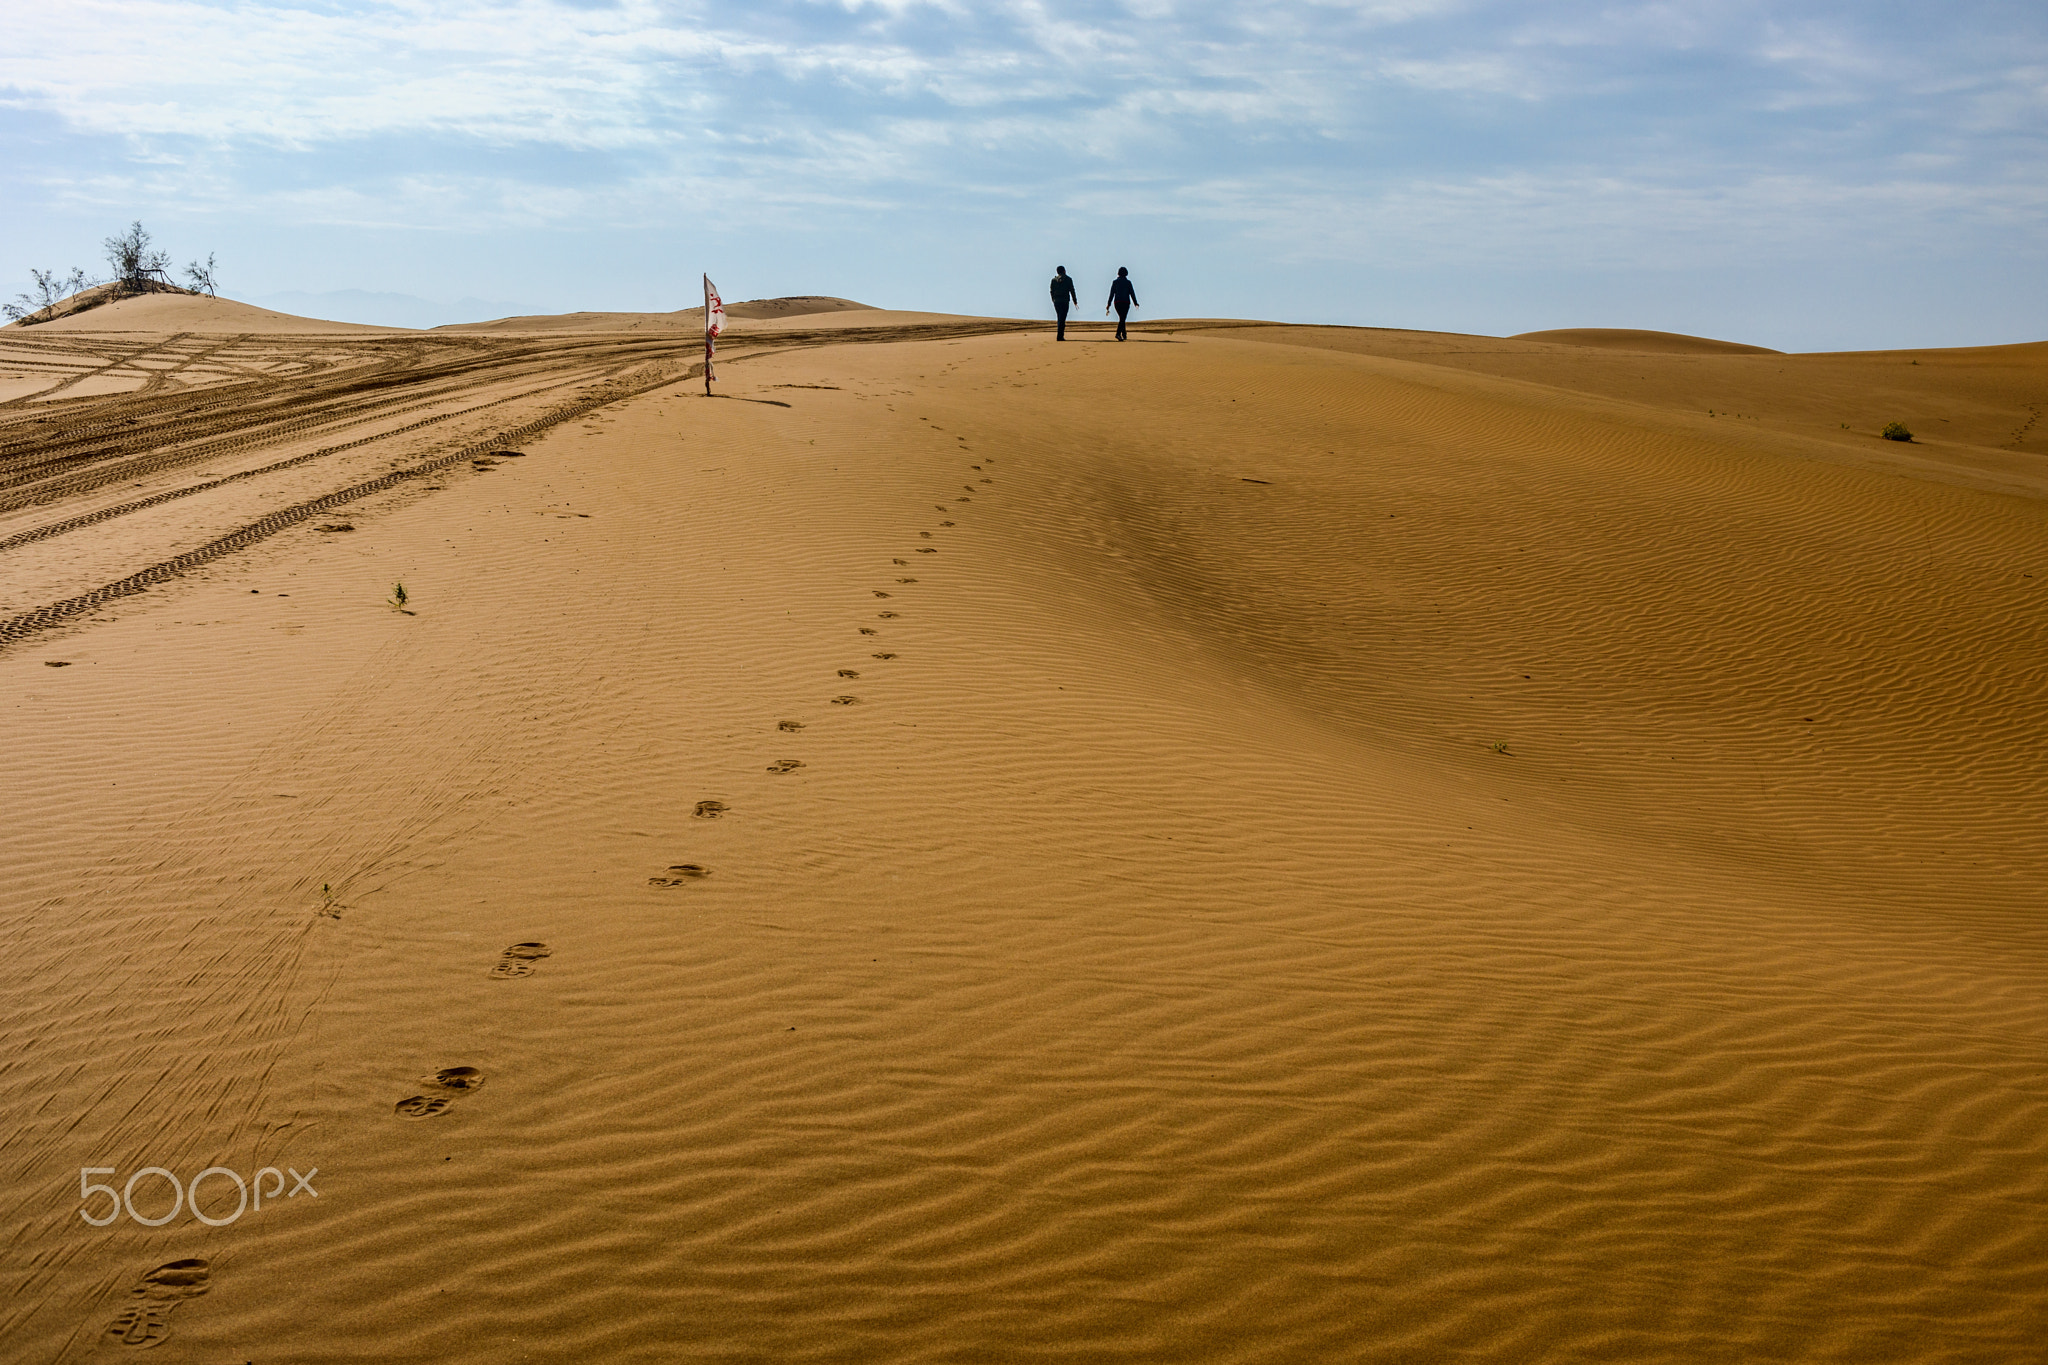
{"x": 714, "y": 323}
{"x": 714, "y": 309}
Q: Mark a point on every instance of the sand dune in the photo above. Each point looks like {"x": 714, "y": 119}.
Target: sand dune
{"x": 1655, "y": 343}
{"x": 196, "y": 313}
{"x": 181, "y": 311}
{"x": 814, "y": 309}
{"x": 1261, "y": 843}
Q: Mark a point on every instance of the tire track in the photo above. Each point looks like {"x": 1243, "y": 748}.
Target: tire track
{"x": 58, "y": 528}
{"x": 53, "y": 487}
{"x": 233, "y": 402}
{"x": 164, "y": 378}
{"x": 116, "y": 364}
{"x": 20, "y": 627}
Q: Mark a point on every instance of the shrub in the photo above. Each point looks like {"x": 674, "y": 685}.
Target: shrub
{"x": 136, "y": 264}
{"x": 51, "y": 290}
{"x": 1896, "y": 431}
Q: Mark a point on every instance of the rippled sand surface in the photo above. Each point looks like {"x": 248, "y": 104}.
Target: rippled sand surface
{"x": 1257, "y": 844}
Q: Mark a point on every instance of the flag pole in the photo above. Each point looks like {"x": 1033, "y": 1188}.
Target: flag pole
{"x": 708, "y": 335}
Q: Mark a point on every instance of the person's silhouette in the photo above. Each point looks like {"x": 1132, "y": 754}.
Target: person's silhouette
{"x": 1062, "y": 295}
{"x": 1123, "y": 296}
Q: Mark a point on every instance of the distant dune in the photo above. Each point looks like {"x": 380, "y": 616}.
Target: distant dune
{"x": 186, "y": 312}
{"x": 1630, "y": 339}
{"x": 685, "y": 319}
{"x": 181, "y": 311}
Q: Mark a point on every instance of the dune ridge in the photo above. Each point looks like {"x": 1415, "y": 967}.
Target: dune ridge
{"x": 1631, "y": 339}
{"x": 1257, "y": 844}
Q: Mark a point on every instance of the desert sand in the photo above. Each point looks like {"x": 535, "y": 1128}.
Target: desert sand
{"x": 1258, "y": 844}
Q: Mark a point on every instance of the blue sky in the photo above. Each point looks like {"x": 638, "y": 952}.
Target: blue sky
{"x": 1803, "y": 175}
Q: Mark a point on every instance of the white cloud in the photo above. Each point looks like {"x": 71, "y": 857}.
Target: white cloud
{"x": 1332, "y": 128}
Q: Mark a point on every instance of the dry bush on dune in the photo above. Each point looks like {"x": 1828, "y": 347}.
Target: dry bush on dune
{"x": 139, "y": 268}
{"x": 51, "y": 289}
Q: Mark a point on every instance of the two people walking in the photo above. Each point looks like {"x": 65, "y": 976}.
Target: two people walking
{"x": 1123, "y": 296}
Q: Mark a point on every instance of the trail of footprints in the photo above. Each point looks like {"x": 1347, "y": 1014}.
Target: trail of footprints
{"x": 145, "y": 1321}
{"x": 682, "y": 874}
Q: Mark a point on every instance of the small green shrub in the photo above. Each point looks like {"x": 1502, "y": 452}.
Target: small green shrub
{"x": 1896, "y": 431}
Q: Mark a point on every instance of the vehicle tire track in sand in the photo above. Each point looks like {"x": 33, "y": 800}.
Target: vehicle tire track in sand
{"x": 58, "y": 528}
{"x": 42, "y": 618}
{"x": 112, "y": 365}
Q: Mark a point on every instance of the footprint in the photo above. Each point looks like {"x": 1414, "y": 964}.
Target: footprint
{"x": 422, "y": 1107}
{"x": 140, "y": 1325}
{"x": 463, "y": 1078}
{"x": 177, "y": 1280}
{"x": 337, "y": 526}
{"x": 849, "y": 673}
{"x": 790, "y": 725}
{"x": 886, "y": 615}
{"x": 147, "y": 1322}
{"x": 711, "y": 810}
{"x": 885, "y": 655}
{"x": 844, "y": 701}
{"x": 785, "y": 765}
{"x": 879, "y": 593}
{"x": 926, "y": 550}
{"x": 946, "y": 523}
{"x": 869, "y": 630}
{"x": 518, "y": 959}
{"x": 906, "y": 580}
{"x": 904, "y": 562}
{"x": 927, "y": 534}
{"x": 680, "y": 874}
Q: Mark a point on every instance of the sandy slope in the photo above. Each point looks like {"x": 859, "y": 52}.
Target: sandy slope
{"x": 814, "y": 309}
{"x": 1634, "y": 339}
{"x": 196, "y": 314}
{"x": 160, "y": 313}
{"x": 1308, "y": 845}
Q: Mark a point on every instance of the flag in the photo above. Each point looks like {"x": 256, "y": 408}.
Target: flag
{"x": 714, "y": 309}
{"x": 714, "y": 323}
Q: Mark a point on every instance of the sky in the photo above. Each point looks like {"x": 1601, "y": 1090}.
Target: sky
{"x": 1838, "y": 174}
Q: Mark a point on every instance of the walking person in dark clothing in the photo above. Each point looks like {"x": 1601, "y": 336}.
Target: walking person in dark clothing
{"x": 1062, "y": 295}
{"x": 1123, "y": 296}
